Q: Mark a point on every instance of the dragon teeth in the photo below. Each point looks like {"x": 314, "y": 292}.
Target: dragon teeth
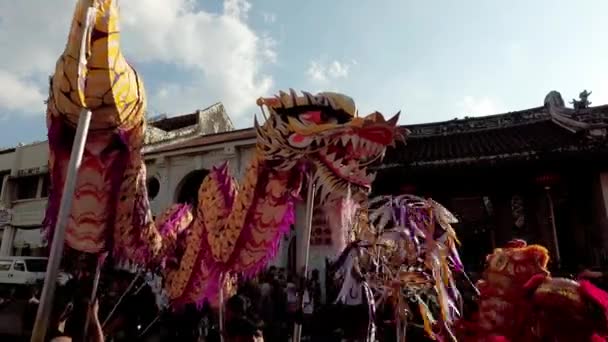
{"x": 324, "y": 190}
{"x": 345, "y": 139}
{"x": 355, "y": 140}
{"x": 347, "y": 169}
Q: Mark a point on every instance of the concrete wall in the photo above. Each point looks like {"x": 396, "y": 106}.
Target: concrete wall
{"x": 7, "y": 160}
{"x": 31, "y": 159}
{"x": 172, "y": 170}
{"x": 28, "y": 213}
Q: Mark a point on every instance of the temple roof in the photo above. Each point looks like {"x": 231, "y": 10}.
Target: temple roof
{"x": 526, "y": 134}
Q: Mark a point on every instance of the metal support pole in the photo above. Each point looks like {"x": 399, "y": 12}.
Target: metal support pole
{"x": 80, "y": 138}
{"x": 93, "y": 297}
{"x": 120, "y": 299}
{"x": 310, "y": 200}
{"x": 221, "y": 306}
{"x": 52, "y": 271}
{"x": 150, "y": 325}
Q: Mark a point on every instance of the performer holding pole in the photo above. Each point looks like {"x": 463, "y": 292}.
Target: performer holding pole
{"x": 93, "y": 298}
{"x": 120, "y": 299}
{"x": 310, "y": 200}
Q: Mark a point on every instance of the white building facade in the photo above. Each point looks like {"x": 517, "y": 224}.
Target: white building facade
{"x": 23, "y": 198}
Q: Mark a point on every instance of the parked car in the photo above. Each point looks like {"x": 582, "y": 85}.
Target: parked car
{"x": 19, "y": 270}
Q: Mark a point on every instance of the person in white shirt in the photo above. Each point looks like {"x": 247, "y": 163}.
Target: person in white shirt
{"x": 355, "y": 296}
{"x": 308, "y": 305}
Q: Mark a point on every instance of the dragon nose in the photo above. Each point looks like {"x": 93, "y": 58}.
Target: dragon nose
{"x": 357, "y": 122}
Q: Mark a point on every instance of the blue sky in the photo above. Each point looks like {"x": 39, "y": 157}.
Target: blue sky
{"x": 433, "y": 60}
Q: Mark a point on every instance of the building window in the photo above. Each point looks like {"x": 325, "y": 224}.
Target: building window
{"x": 188, "y": 190}
{"x": 46, "y": 182}
{"x": 153, "y": 186}
{"x": 27, "y": 187}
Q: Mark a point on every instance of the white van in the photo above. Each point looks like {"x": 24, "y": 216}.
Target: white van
{"x": 22, "y": 270}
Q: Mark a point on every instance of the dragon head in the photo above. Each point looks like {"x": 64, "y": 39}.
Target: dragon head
{"x": 324, "y": 133}
{"x": 511, "y": 267}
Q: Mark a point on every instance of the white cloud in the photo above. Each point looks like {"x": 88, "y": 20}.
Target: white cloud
{"x": 20, "y": 95}
{"x": 338, "y": 70}
{"x": 238, "y": 9}
{"x": 473, "y": 106}
{"x": 323, "y": 72}
{"x": 316, "y": 72}
{"x": 269, "y": 18}
{"x": 220, "y": 52}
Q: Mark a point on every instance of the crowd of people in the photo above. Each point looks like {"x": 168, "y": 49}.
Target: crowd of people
{"x": 265, "y": 308}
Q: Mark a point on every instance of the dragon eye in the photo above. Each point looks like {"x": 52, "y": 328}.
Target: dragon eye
{"x": 312, "y": 117}
{"x": 318, "y": 118}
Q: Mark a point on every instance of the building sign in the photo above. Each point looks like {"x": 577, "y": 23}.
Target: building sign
{"x": 320, "y": 234}
{"x": 31, "y": 171}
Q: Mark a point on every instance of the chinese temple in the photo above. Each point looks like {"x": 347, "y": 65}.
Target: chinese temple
{"x": 540, "y": 174}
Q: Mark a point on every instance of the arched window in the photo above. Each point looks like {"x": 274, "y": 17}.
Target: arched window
{"x": 188, "y": 190}
{"x": 153, "y": 185}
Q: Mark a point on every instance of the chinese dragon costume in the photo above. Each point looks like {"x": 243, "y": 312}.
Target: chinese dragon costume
{"x": 235, "y": 228}
{"x": 402, "y": 258}
{"x": 520, "y": 301}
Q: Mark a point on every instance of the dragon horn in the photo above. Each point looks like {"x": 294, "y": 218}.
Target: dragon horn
{"x": 393, "y": 121}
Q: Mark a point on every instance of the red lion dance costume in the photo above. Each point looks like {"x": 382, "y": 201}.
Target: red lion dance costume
{"x": 520, "y": 302}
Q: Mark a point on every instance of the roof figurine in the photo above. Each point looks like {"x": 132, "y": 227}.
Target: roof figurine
{"x": 583, "y": 103}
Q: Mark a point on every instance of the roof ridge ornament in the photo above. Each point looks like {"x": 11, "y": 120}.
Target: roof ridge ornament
{"x": 584, "y": 102}
{"x": 554, "y": 100}
{"x": 578, "y": 119}
{"x": 560, "y": 114}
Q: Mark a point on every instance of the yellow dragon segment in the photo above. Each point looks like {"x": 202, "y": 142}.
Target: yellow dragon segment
{"x": 105, "y": 208}
{"x": 108, "y": 86}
